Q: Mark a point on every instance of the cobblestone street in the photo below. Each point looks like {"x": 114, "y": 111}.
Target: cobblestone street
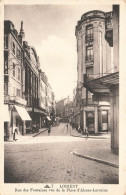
{"x": 50, "y": 159}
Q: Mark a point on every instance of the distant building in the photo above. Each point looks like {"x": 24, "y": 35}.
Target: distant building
{"x": 64, "y": 109}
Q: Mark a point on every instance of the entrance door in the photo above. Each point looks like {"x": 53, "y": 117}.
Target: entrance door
{"x": 90, "y": 121}
{"x": 104, "y": 120}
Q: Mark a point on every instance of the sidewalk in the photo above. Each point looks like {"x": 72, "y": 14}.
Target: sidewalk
{"x": 99, "y": 152}
{"x": 75, "y": 133}
{"x": 20, "y": 138}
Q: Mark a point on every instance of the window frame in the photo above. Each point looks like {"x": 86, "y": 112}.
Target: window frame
{"x": 13, "y": 48}
{"x": 89, "y": 33}
{"x": 19, "y": 74}
{"x": 89, "y": 53}
{"x": 14, "y": 69}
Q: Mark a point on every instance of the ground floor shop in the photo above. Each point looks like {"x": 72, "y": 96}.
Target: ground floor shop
{"x": 96, "y": 118}
{"x": 15, "y": 120}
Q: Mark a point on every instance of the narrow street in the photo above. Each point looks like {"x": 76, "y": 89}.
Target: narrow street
{"x": 49, "y": 159}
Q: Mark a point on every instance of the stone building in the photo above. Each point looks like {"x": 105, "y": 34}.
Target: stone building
{"x": 46, "y": 99}
{"x": 94, "y": 60}
{"x": 64, "y": 109}
{"x": 31, "y": 63}
{"x": 28, "y": 97}
{"x": 109, "y": 83}
{"x": 14, "y": 81}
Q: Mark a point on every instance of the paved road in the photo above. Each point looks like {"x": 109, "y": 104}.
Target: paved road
{"x": 50, "y": 160}
{"x": 60, "y": 130}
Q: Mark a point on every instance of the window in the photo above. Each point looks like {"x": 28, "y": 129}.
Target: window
{"x": 89, "y": 71}
{"x": 13, "y": 48}
{"x": 18, "y": 92}
{"x": 5, "y": 41}
{"x": 5, "y": 88}
{"x": 89, "y": 53}
{"x": 13, "y": 91}
{"x": 89, "y": 33}
{"x": 19, "y": 74}
{"x": 18, "y": 53}
{"x": 13, "y": 69}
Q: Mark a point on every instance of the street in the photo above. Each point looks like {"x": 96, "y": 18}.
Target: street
{"x": 49, "y": 159}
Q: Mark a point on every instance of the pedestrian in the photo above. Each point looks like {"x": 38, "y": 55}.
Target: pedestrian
{"x": 67, "y": 126}
{"x": 86, "y": 132}
{"x": 15, "y": 132}
{"x": 33, "y": 127}
{"x": 49, "y": 127}
{"x": 79, "y": 129}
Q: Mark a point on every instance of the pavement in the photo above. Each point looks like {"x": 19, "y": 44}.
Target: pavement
{"x": 104, "y": 156}
{"x": 95, "y": 153}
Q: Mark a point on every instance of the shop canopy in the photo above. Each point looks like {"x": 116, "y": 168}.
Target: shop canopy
{"x": 23, "y": 113}
{"x": 102, "y": 84}
{"x": 6, "y": 116}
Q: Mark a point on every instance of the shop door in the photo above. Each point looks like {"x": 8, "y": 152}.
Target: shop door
{"x": 104, "y": 120}
{"x": 90, "y": 121}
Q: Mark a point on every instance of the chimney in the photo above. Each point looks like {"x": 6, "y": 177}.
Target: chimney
{"x": 22, "y": 31}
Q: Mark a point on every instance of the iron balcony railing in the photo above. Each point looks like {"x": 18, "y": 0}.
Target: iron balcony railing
{"x": 89, "y": 58}
{"x": 88, "y": 37}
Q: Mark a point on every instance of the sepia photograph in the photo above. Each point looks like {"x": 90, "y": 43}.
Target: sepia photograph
{"x": 61, "y": 96}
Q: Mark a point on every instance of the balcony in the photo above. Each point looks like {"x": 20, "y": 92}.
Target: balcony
{"x": 89, "y": 58}
{"x": 89, "y": 38}
{"x": 109, "y": 28}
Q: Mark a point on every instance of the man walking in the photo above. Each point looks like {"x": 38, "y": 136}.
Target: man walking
{"x": 49, "y": 127}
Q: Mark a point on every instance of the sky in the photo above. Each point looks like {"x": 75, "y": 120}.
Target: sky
{"x": 50, "y": 29}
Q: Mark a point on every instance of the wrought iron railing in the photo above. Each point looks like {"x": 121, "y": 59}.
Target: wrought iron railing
{"x": 88, "y": 37}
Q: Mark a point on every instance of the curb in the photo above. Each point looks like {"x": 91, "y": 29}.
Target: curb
{"x": 39, "y": 132}
{"x": 89, "y": 137}
{"x": 96, "y": 159}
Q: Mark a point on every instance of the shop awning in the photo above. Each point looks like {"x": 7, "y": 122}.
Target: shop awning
{"x": 6, "y": 116}
{"x": 23, "y": 113}
{"x": 49, "y": 119}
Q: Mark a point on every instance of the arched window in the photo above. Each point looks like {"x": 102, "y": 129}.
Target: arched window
{"x": 89, "y": 33}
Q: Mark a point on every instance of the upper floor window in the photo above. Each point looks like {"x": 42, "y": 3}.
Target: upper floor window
{"x": 18, "y": 92}
{"x": 13, "y": 69}
{"x": 5, "y": 41}
{"x": 19, "y": 74}
{"x": 89, "y": 53}
{"x": 18, "y": 53}
{"x": 13, "y": 48}
{"x": 5, "y": 88}
{"x": 89, "y": 33}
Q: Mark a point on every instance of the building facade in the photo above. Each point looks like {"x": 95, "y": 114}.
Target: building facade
{"x": 28, "y": 97}
{"x": 64, "y": 109}
{"x": 94, "y": 60}
{"x": 14, "y": 78}
{"x": 109, "y": 83}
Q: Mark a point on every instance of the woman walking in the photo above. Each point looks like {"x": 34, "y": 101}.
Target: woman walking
{"x": 86, "y": 132}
